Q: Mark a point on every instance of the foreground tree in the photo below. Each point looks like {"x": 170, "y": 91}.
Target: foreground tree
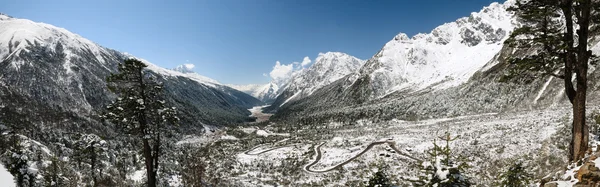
{"x": 515, "y": 176}
{"x": 380, "y": 178}
{"x": 16, "y": 159}
{"x": 548, "y": 28}
{"x": 91, "y": 149}
{"x": 140, "y": 110}
{"x": 193, "y": 167}
{"x": 443, "y": 168}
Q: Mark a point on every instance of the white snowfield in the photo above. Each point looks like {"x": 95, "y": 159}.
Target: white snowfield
{"x": 6, "y": 179}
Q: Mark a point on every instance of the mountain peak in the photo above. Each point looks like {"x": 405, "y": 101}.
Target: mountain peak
{"x": 401, "y": 37}
{"x": 445, "y": 57}
{"x": 4, "y": 16}
{"x": 332, "y": 55}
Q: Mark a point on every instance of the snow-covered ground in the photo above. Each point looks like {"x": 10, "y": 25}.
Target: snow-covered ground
{"x": 488, "y": 141}
{"x": 6, "y": 179}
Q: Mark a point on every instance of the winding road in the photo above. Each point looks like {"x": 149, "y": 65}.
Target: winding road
{"x": 391, "y": 144}
{"x": 317, "y": 149}
{"x": 266, "y": 150}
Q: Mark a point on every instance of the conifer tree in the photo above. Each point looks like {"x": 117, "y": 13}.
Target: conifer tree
{"x": 554, "y": 34}
{"x": 91, "y": 149}
{"x": 140, "y": 110}
{"x": 515, "y": 176}
{"x": 380, "y": 179}
{"x": 16, "y": 159}
{"x": 443, "y": 168}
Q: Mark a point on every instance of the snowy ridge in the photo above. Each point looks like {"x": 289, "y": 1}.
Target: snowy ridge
{"x": 264, "y": 92}
{"x": 328, "y": 68}
{"x": 446, "y": 57}
{"x": 172, "y": 73}
{"x": 17, "y": 35}
{"x": 252, "y": 89}
{"x": 268, "y": 91}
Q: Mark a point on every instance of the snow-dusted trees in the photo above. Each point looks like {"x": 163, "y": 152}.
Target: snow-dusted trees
{"x": 515, "y": 176}
{"x": 140, "y": 110}
{"x": 193, "y": 167}
{"x": 380, "y": 178}
{"x": 549, "y": 28}
{"x": 16, "y": 159}
{"x": 90, "y": 149}
{"x": 442, "y": 167}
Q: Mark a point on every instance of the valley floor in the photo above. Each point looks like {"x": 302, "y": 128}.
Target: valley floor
{"x": 260, "y": 116}
{"x": 349, "y": 154}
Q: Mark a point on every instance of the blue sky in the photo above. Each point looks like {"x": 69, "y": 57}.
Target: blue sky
{"x": 237, "y": 41}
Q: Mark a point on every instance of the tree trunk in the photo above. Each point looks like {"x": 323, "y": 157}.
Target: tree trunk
{"x": 156, "y": 154}
{"x": 569, "y": 56}
{"x": 93, "y": 164}
{"x": 580, "y": 137}
{"x": 150, "y": 174}
{"x": 149, "y": 164}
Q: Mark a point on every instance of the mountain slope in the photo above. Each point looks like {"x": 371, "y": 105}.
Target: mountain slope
{"x": 454, "y": 70}
{"x": 446, "y": 57}
{"x": 328, "y": 68}
{"x": 47, "y": 70}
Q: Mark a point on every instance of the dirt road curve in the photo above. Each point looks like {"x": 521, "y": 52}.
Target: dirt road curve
{"x": 391, "y": 144}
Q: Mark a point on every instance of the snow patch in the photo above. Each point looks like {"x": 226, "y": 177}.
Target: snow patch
{"x": 6, "y": 179}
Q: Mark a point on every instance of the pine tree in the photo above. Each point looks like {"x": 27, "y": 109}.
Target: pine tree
{"x": 515, "y": 176}
{"x": 380, "y": 179}
{"x": 548, "y": 29}
{"x": 443, "y": 169}
{"x": 16, "y": 160}
{"x": 140, "y": 110}
{"x": 91, "y": 149}
{"x": 193, "y": 166}
{"x": 53, "y": 174}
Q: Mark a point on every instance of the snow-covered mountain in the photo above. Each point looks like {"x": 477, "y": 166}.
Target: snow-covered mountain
{"x": 446, "y": 57}
{"x": 301, "y": 81}
{"x": 184, "y": 70}
{"x": 264, "y": 92}
{"x": 454, "y": 70}
{"x": 43, "y": 67}
{"x": 251, "y": 89}
{"x": 328, "y": 68}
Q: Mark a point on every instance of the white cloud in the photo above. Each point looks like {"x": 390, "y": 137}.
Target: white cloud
{"x": 265, "y": 75}
{"x": 283, "y": 72}
{"x": 189, "y": 66}
{"x": 280, "y": 72}
{"x": 306, "y": 61}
